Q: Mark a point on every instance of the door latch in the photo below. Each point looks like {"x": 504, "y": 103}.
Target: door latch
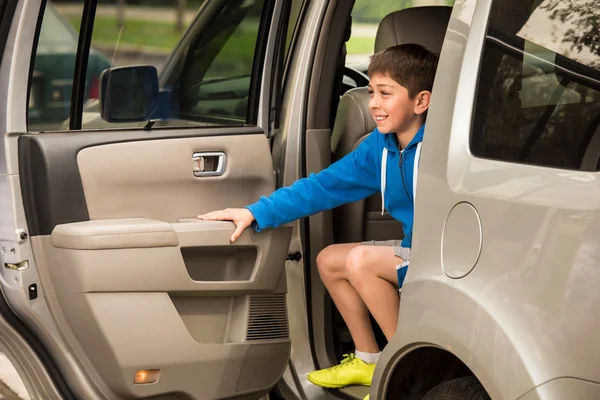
{"x": 209, "y": 164}
{"x": 297, "y": 256}
{"x": 21, "y": 266}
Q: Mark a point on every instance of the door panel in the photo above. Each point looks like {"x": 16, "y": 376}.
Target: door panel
{"x": 196, "y": 256}
{"x": 53, "y": 191}
{"x": 135, "y": 282}
{"x": 154, "y": 179}
{"x": 145, "y": 331}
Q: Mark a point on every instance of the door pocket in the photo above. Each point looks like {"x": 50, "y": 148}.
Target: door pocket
{"x": 220, "y": 263}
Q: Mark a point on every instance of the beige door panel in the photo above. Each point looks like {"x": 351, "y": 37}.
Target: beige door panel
{"x": 154, "y": 179}
{"x": 114, "y": 234}
{"x": 192, "y": 256}
{"x": 201, "y": 353}
{"x": 138, "y": 306}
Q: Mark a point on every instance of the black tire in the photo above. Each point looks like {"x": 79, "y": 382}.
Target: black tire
{"x": 466, "y": 388}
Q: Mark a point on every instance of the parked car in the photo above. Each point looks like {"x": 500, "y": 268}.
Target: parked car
{"x": 111, "y": 289}
{"x": 53, "y": 72}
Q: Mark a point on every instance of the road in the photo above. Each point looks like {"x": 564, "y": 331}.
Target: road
{"x": 11, "y": 385}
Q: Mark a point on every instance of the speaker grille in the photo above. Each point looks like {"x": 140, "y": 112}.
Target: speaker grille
{"x": 268, "y": 318}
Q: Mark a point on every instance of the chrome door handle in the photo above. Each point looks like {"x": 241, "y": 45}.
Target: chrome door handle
{"x": 209, "y": 163}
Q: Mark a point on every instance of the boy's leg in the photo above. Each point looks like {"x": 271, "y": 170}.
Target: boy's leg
{"x": 331, "y": 263}
{"x": 336, "y": 266}
{"x": 371, "y": 271}
{"x": 352, "y": 370}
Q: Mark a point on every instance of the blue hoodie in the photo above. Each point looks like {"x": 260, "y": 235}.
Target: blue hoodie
{"x": 376, "y": 165}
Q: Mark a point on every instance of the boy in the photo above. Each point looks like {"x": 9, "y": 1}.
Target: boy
{"x": 363, "y": 277}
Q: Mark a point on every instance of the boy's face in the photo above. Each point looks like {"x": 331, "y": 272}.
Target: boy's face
{"x": 392, "y": 108}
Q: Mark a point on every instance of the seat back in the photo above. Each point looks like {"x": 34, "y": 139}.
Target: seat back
{"x": 362, "y": 220}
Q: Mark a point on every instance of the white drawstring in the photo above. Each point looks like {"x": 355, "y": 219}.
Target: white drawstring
{"x": 383, "y": 177}
{"x": 416, "y": 169}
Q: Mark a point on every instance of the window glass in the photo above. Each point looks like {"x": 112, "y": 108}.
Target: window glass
{"x": 538, "y": 98}
{"x": 204, "y": 63}
{"x": 53, "y": 69}
{"x": 215, "y": 82}
{"x": 295, "y": 11}
{"x": 366, "y": 16}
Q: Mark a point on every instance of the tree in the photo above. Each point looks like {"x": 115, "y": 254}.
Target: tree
{"x": 585, "y": 15}
{"x": 120, "y": 13}
{"x": 182, "y": 5}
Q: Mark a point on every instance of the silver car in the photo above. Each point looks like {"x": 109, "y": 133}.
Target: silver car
{"x": 111, "y": 289}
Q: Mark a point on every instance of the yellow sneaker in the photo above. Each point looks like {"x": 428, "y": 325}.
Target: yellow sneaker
{"x": 350, "y": 371}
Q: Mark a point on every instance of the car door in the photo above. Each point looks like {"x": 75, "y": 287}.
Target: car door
{"x": 111, "y": 287}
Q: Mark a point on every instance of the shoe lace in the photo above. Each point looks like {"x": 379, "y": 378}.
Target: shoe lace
{"x": 346, "y": 361}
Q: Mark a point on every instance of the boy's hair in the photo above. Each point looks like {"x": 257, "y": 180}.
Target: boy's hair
{"x": 411, "y": 65}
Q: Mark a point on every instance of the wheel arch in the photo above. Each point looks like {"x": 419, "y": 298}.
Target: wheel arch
{"x": 421, "y": 369}
{"x": 465, "y": 332}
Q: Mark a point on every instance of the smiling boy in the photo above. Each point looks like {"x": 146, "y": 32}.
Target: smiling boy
{"x": 363, "y": 277}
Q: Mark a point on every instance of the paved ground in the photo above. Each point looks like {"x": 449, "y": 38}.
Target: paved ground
{"x": 11, "y": 386}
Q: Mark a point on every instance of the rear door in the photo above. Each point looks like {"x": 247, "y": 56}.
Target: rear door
{"x": 119, "y": 291}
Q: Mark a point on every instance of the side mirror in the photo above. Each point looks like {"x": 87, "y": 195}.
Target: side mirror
{"x": 128, "y": 94}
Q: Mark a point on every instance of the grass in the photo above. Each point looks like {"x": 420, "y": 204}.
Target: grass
{"x": 160, "y": 35}
{"x": 360, "y": 45}
{"x": 234, "y": 58}
{"x": 163, "y": 35}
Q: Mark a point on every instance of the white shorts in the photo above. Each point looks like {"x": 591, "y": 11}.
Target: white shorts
{"x": 399, "y": 251}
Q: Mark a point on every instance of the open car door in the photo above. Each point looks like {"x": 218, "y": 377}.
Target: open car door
{"x": 111, "y": 287}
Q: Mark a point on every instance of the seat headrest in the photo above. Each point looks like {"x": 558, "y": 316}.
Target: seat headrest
{"x": 352, "y": 121}
{"x": 422, "y": 25}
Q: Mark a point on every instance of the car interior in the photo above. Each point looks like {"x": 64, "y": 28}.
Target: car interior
{"x": 352, "y": 122}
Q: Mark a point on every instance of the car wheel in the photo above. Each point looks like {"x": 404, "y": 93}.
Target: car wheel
{"x": 466, "y": 388}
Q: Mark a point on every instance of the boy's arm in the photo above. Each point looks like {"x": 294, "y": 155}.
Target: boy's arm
{"x": 352, "y": 178}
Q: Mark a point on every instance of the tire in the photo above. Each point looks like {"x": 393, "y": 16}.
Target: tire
{"x": 466, "y": 388}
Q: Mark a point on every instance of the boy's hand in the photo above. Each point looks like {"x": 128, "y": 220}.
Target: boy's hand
{"x": 241, "y": 217}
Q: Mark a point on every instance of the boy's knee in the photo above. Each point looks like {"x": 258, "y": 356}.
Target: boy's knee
{"x": 357, "y": 264}
{"x": 325, "y": 261}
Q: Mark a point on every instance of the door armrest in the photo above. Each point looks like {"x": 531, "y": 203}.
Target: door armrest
{"x": 114, "y": 234}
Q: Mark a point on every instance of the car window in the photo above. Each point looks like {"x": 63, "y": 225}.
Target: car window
{"x": 216, "y": 78}
{"x": 538, "y": 98}
{"x": 53, "y": 69}
{"x": 296, "y": 7}
{"x": 57, "y": 34}
{"x": 366, "y": 16}
{"x": 205, "y": 62}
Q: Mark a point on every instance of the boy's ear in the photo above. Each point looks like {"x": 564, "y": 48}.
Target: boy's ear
{"x": 422, "y": 102}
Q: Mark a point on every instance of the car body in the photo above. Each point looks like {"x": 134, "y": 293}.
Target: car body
{"x": 112, "y": 289}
